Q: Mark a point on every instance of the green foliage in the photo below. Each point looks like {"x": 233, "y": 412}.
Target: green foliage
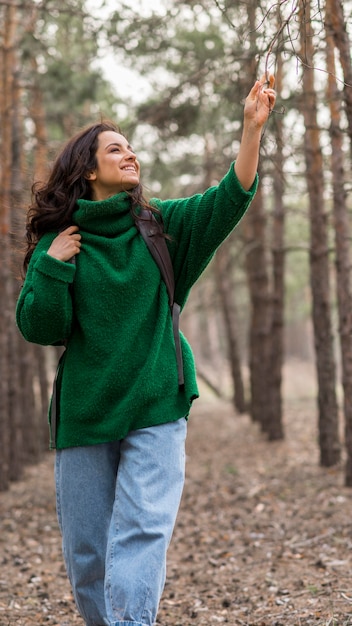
{"x": 58, "y": 59}
{"x": 193, "y": 63}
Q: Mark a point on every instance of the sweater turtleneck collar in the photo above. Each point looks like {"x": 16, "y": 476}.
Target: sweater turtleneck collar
{"x": 104, "y": 217}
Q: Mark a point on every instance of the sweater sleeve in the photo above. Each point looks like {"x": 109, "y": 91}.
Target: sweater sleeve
{"x": 199, "y": 224}
{"x": 44, "y": 305}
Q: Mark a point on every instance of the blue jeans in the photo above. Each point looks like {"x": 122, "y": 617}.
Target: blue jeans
{"x": 117, "y": 505}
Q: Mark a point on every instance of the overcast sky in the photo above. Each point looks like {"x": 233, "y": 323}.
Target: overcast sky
{"x": 125, "y": 81}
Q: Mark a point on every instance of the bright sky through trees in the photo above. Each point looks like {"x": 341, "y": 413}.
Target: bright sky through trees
{"x": 125, "y": 80}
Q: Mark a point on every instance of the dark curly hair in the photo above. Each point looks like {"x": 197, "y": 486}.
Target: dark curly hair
{"x": 54, "y": 201}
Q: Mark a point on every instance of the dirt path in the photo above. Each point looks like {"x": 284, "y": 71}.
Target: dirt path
{"x": 263, "y": 536}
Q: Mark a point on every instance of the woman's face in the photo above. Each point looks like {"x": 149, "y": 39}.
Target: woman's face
{"x": 117, "y": 166}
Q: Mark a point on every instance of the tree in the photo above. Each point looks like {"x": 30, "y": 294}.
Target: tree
{"x": 224, "y": 272}
{"x": 8, "y": 95}
{"x": 254, "y": 229}
{"x": 341, "y": 229}
{"x": 319, "y": 255}
{"x": 335, "y": 14}
{"x": 276, "y": 355}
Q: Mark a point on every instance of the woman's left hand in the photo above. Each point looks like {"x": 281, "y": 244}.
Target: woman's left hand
{"x": 260, "y": 101}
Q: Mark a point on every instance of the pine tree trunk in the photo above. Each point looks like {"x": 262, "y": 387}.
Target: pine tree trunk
{"x": 256, "y": 266}
{"x": 342, "y": 236}
{"x": 319, "y": 260}
{"x": 4, "y": 382}
{"x": 30, "y": 409}
{"x": 338, "y": 29}
{"x": 16, "y": 444}
{"x": 223, "y": 271}
{"x": 16, "y": 191}
{"x": 7, "y": 90}
{"x": 275, "y": 424}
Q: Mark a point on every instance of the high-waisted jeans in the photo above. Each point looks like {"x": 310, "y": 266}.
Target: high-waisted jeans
{"x": 117, "y": 505}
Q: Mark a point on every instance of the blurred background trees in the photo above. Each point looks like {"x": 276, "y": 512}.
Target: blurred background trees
{"x": 279, "y": 289}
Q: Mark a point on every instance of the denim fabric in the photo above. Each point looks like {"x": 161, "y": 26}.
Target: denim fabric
{"x": 117, "y": 505}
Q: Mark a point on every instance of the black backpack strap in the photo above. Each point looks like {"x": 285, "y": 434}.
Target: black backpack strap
{"x": 151, "y": 231}
{"x": 55, "y": 404}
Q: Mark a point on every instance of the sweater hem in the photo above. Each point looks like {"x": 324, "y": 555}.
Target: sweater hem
{"x": 95, "y": 439}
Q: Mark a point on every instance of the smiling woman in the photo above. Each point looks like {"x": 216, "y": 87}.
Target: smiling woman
{"x": 121, "y": 411}
{"x": 117, "y": 166}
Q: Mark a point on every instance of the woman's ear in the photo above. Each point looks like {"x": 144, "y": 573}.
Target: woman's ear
{"x": 90, "y": 175}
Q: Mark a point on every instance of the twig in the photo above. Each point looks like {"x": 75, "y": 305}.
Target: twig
{"x": 277, "y": 35}
{"x": 312, "y": 540}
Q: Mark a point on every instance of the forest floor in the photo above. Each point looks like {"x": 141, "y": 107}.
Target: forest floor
{"x": 263, "y": 536}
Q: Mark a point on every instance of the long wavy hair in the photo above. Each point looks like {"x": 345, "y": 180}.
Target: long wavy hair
{"x": 53, "y": 202}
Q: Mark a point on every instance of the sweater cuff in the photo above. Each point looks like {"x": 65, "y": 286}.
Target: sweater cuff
{"x": 233, "y": 185}
{"x": 59, "y": 270}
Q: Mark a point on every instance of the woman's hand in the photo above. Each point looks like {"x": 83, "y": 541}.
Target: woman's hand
{"x": 66, "y": 245}
{"x": 260, "y": 101}
{"x": 257, "y": 108}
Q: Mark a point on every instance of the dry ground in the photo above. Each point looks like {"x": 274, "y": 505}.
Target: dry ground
{"x": 263, "y": 536}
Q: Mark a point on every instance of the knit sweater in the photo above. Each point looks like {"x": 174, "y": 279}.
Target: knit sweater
{"x": 119, "y": 370}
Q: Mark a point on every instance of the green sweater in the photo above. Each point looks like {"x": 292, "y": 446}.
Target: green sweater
{"x": 119, "y": 370}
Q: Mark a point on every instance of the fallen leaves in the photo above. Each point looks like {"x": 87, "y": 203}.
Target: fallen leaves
{"x": 263, "y": 536}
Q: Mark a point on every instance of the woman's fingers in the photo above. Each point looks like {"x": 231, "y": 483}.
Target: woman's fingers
{"x": 66, "y": 245}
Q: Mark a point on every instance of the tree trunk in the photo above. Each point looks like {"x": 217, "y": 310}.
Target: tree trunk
{"x": 4, "y": 381}
{"x": 319, "y": 261}
{"x": 275, "y": 426}
{"x": 37, "y": 113}
{"x": 223, "y": 271}
{"x": 15, "y": 390}
{"x": 338, "y": 29}
{"x": 39, "y": 369}
{"x": 31, "y": 409}
{"x": 7, "y": 64}
{"x": 253, "y": 226}
{"x": 342, "y": 235}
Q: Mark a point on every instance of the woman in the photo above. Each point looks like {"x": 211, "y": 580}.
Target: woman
{"x": 122, "y": 414}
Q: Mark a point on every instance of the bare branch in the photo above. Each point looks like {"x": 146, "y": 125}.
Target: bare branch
{"x": 284, "y": 26}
